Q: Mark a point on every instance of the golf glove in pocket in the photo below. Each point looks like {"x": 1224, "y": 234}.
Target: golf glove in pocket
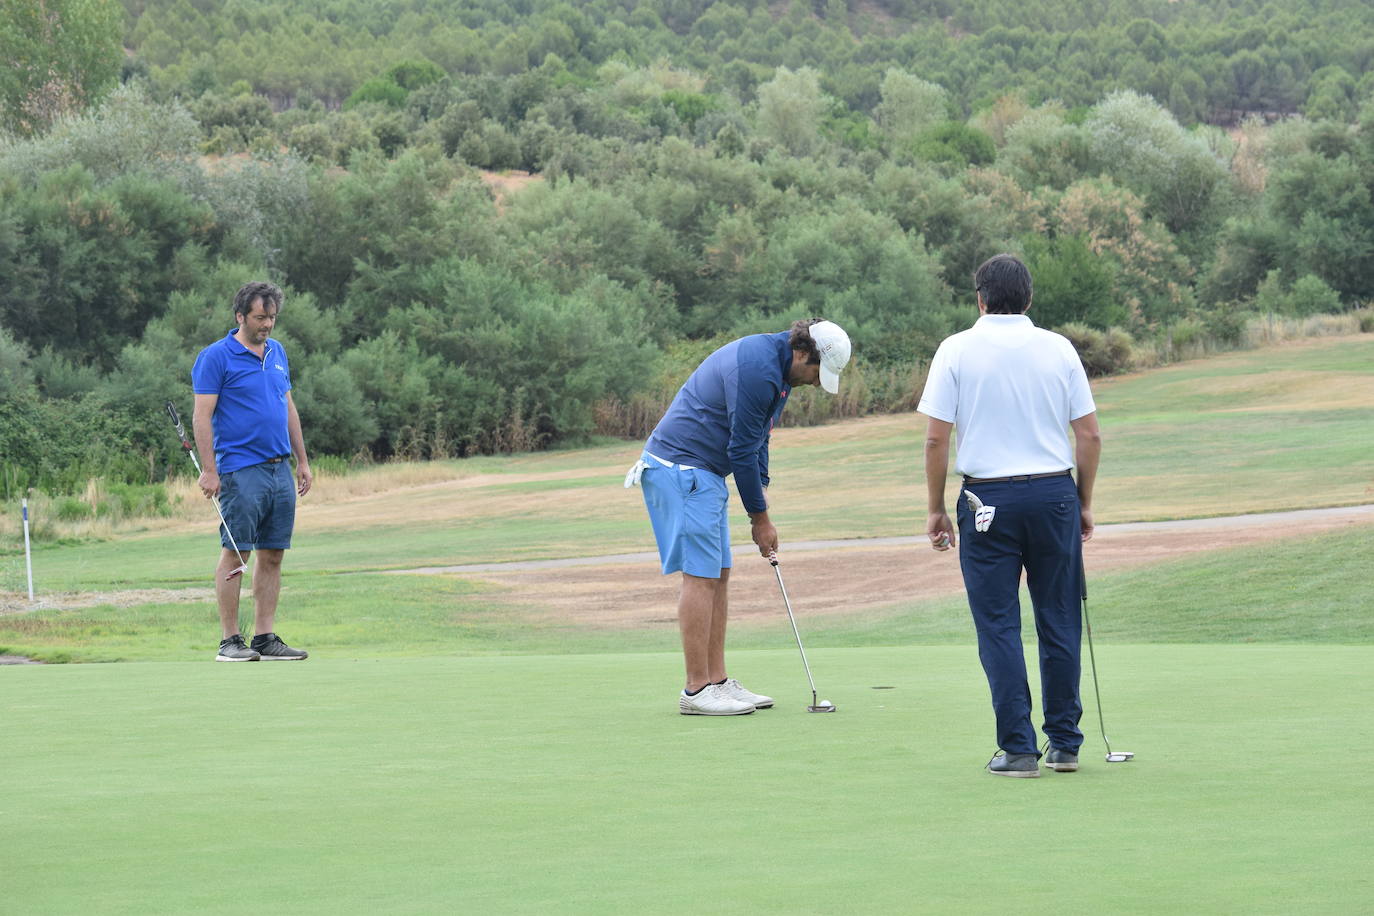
{"x": 634, "y": 473}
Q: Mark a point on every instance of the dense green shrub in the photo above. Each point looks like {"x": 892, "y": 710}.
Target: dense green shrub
{"x": 956, "y": 144}
{"x": 1103, "y": 352}
{"x": 71, "y": 509}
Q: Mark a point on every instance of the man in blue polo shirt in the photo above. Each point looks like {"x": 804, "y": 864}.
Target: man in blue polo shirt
{"x": 719, "y": 424}
{"x": 246, "y": 430}
{"x": 1013, "y": 390}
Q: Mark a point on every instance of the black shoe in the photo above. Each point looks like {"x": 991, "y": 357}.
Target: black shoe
{"x": 1061, "y": 761}
{"x": 272, "y": 649}
{"x": 233, "y": 650}
{"x": 1005, "y": 764}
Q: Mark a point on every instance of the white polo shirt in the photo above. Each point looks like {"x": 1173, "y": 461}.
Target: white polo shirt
{"x": 1010, "y": 389}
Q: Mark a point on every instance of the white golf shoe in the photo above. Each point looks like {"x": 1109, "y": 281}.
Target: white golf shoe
{"x": 712, "y": 700}
{"x": 733, "y": 688}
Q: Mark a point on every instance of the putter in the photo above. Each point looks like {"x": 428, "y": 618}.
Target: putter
{"x": 185, "y": 444}
{"x": 1112, "y": 756}
{"x": 816, "y": 705}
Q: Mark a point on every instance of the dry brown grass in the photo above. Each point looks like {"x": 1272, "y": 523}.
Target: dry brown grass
{"x": 505, "y": 184}
{"x": 847, "y": 580}
{"x": 1285, "y": 389}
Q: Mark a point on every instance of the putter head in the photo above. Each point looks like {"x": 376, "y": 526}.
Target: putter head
{"x": 822, "y": 706}
{"x": 1119, "y": 756}
{"x": 235, "y": 573}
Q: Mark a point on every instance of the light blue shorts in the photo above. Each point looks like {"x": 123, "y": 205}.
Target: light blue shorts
{"x": 687, "y": 510}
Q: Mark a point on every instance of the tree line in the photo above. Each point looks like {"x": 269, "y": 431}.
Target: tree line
{"x": 672, "y": 205}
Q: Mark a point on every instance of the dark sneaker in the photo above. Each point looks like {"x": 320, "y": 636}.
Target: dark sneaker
{"x": 1061, "y": 761}
{"x": 1024, "y": 765}
{"x": 272, "y": 649}
{"x": 233, "y": 650}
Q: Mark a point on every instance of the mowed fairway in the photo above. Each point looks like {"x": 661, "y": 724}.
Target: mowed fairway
{"x": 508, "y": 742}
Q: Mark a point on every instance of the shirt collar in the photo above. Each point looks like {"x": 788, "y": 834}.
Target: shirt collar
{"x": 785, "y": 358}
{"x": 231, "y": 340}
{"x": 1005, "y": 321}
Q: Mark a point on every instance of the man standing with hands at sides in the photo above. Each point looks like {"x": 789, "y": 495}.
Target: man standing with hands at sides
{"x": 719, "y": 424}
{"x": 246, "y": 430}
{"x": 1012, "y": 390}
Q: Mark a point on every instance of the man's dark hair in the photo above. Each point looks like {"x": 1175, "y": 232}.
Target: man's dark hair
{"x": 269, "y": 294}
{"x": 1005, "y": 284}
{"x": 799, "y": 338}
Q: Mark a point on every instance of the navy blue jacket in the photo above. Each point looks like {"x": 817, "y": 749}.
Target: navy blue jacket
{"x": 722, "y": 416}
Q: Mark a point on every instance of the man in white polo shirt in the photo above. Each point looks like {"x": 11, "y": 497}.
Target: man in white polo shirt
{"x": 1013, "y": 390}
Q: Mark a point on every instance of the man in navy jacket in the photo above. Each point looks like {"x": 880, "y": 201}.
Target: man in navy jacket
{"x": 718, "y": 425}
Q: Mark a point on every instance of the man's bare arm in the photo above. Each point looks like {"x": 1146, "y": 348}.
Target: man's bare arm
{"x": 1087, "y": 450}
{"x": 304, "y": 478}
{"x": 203, "y": 431}
{"x": 939, "y": 528}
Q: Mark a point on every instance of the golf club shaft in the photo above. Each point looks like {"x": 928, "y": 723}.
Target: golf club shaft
{"x": 229, "y": 534}
{"x": 190, "y": 451}
{"x": 1092, "y": 657}
{"x": 795, "y": 632}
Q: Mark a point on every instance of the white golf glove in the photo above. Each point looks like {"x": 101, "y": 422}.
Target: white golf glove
{"x": 634, "y": 473}
{"x": 982, "y": 515}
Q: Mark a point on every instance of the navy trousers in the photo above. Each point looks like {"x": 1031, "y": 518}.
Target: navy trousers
{"x": 1037, "y": 528}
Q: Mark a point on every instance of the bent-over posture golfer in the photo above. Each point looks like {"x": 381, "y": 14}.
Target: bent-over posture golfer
{"x": 1013, "y": 390}
{"x": 718, "y": 425}
{"x": 246, "y": 430}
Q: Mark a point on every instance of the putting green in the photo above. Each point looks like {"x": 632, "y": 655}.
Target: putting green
{"x": 569, "y": 784}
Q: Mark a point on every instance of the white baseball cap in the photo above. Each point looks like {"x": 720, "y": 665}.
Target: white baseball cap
{"x": 832, "y": 343}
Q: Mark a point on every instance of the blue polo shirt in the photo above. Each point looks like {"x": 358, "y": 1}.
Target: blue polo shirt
{"x": 250, "y": 416}
{"x": 723, "y": 415}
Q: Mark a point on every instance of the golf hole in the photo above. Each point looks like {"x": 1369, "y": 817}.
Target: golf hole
{"x": 883, "y": 688}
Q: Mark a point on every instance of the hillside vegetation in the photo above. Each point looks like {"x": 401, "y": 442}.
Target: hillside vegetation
{"x": 701, "y": 171}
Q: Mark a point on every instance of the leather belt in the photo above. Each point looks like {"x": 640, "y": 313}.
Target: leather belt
{"x": 1016, "y": 477}
{"x": 280, "y": 458}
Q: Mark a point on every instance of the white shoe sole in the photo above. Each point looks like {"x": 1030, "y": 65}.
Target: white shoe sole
{"x": 1024, "y": 774}
{"x": 225, "y": 658}
{"x": 689, "y": 710}
{"x": 1062, "y": 767}
{"x": 284, "y": 658}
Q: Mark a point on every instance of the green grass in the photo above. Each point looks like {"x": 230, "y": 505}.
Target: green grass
{"x": 1280, "y": 592}
{"x": 476, "y": 785}
{"x": 1265, "y": 430}
{"x": 447, "y": 751}
{"x": 141, "y": 562}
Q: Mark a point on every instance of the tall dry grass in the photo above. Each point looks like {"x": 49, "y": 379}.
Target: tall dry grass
{"x": 1274, "y": 329}
{"x": 186, "y": 506}
{"x": 864, "y": 390}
